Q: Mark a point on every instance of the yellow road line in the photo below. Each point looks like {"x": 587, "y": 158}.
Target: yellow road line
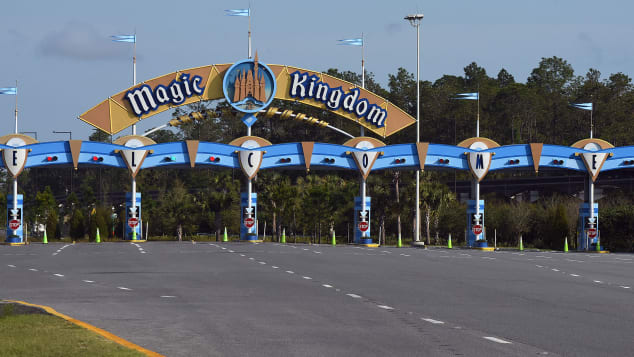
{"x": 92, "y": 328}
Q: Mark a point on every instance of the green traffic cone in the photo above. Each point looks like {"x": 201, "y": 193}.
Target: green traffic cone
{"x": 334, "y": 240}
{"x": 283, "y": 235}
{"x": 224, "y": 237}
{"x": 449, "y": 242}
{"x": 399, "y": 244}
{"x": 97, "y": 237}
{"x": 521, "y": 244}
{"x": 45, "y": 238}
{"x": 134, "y": 234}
{"x": 598, "y": 245}
{"x": 566, "y": 245}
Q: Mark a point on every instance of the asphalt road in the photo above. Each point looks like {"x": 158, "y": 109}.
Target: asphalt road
{"x": 237, "y": 299}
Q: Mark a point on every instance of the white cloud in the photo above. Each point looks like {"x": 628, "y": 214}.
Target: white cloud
{"x": 82, "y": 41}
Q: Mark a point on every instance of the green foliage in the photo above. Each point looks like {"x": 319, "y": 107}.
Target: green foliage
{"x": 77, "y": 225}
{"x": 99, "y": 218}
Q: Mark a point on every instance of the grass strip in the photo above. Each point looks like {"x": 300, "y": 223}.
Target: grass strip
{"x": 46, "y": 335}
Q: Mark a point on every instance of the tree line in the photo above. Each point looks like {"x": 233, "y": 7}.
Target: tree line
{"x": 74, "y": 203}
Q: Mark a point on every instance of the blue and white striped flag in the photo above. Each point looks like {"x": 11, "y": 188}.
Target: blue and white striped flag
{"x": 468, "y": 96}
{"x": 584, "y": 106}
{"x": 124, "y": 38}
{"x": 238, "y": 12}
{"x": 351, "y": 42}
{"x": 9, "y": 90}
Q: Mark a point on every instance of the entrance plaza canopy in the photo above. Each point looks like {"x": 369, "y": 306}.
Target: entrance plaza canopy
{"x": 314, "y": 155}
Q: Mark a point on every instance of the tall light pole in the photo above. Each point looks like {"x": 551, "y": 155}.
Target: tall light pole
{"x": 415, "y": 20}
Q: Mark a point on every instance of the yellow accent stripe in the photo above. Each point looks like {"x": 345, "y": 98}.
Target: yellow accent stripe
{"x": 92, "y": 328}
{"x": 371, "y": 245}
{"x": 12, "y": 243}
{"x": 486, "y": 249}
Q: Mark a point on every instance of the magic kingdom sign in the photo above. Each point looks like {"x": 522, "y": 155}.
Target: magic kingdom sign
{"x": 250, "y": 86}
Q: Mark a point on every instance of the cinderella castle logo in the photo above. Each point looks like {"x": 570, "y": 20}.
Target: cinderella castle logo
{"x": 249, "y": 86}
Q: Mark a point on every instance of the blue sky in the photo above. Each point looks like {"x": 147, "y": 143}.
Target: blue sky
{"x": 60, "y": 53}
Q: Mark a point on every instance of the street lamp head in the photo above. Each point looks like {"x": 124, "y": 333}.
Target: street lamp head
{"x": 414, "y": 19}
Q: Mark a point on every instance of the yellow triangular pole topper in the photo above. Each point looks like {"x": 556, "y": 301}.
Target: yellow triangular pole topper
{"x": 134, "y": 159}
{"x": 15, "y": 160}
{"x": 365, "y": 160}
{"x": 594, "y": 162}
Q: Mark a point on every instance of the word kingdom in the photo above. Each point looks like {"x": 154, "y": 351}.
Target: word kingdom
{"x": 308, "y": 86}
{"x": 143, "y": 99}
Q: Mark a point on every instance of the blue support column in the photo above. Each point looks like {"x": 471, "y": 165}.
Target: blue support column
{"x": 584, "y": 213}
{"x": 359, "y": 236}
{"x": 472, "y": 240}
{"x": 19, "y": 232}
{"x": 248, "y": 234}
{"x": 128, "y": 205}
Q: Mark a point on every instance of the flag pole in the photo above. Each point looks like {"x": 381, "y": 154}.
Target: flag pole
{"x": 134, "y": 75}
{"x": 591, "y": 126}
{"x": 249, "y": 31}
{"x": 16, "y": 107}
{"x": 478, "y": 116}
{"x": 362, "y": 132}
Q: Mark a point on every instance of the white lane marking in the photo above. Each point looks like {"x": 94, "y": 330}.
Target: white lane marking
{"x": 242, "y": 255}
{"x": 223, "y": 248}
{"x": 598, "y": 281}
{"x": 231, "y": 251}
{"x": 465, "y": 254}
{"x": 489, "y": 258}
{"x": 385, "y": 251}
{"x": 433, "y": 321}
{"x": 262, "y": 263}
{"x": 385, "y": 307}
{"x": 305, "y": 248}
{"x": 307, "y": 277}
{"x": 168, "y": 296}
{"x": 326, "y": 286}
{"x": 542, "y": 256}
{"x": 274, "y": 267}
{"x": 622, "y": 259}
{"x": 290, "y": 272}
{"x": 60, "y": 275}
{"x": 251, "y": 258}
{"x": 495, "y": 339}
{"x": 143, "y": 252}
{"x": 574, "y": 260}
{"x": 316, "y": 252}
{"x": 54, "y": 253}
{"x": 123, "y": 288}
{"x": 554, "y": 269}
{"x": 539, "y": 266}
{"x": 354, "y": 296}
{"x": 624, "y": 287}
{"x": 575, "y": 275}
{"x": 88, "y": 281}
{"x": 33, "y": 269}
